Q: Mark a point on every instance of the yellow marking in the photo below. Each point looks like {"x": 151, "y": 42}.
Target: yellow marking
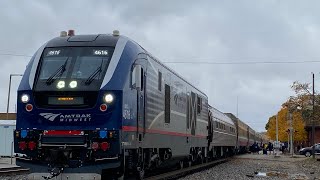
{"x": 65, "y": 98}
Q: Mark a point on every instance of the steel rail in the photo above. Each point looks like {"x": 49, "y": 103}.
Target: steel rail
{"x": 186, "y": 171}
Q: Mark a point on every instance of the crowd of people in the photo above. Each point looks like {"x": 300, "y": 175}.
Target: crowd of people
{"x": 268, "y": 148}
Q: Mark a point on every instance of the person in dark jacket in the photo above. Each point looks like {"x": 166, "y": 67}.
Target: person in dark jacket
{"x": 265, "y": 151}
{"x": 256, "y": 147}
{"x": 270, "y": 147}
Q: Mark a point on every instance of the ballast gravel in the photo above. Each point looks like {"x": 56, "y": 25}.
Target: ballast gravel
{"x": 246, "y": 169}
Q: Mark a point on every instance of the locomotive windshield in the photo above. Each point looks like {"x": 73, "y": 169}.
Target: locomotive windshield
{"x": 73, "y": 68}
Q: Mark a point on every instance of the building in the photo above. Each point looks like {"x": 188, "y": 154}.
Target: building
{"x": 11, "y": 116}
{"x": 7, "y": 126}
{"x": 308, "y": 127}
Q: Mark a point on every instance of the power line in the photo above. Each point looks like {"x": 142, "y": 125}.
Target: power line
{"x": 11, "y": 54}
{"x": 239, "y": 63}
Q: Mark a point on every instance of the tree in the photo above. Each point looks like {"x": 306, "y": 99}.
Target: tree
{"x": 284, "y": 124}
{"x": 271, "y": 131}
{"x": 267, "y": 125}
{"x": 304, "y": 99}
{"x": 299, "y": 127}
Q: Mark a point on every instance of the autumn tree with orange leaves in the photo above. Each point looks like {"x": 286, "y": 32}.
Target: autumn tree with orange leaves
{"x": 302, "y": 99}
{"x": 283, "y": 125}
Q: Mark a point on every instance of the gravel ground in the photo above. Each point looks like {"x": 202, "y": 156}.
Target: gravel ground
{"x": 14, "y": 177}
{"x": 239, "y": 169}
{"x": 311, "y": 168}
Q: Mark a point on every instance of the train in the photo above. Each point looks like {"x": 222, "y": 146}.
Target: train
{"x": 101, "y": 104}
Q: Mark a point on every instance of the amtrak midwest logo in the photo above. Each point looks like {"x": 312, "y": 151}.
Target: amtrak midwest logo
{"x": 67, "y": 117}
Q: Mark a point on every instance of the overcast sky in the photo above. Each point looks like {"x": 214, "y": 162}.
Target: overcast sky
{"x": 180, "y": 31}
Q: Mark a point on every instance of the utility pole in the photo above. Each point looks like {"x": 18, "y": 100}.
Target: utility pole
{"x": 277, "y": 137}
{"x": 9, "y": 92}
{"x": 289, "y": 118}
{"x": 237, "y": 107}
{"x": 291, "y": 133}
{"x": 238, "y": 124}
{"x": 288, "y": 138}
{"x": 313, "y": 128}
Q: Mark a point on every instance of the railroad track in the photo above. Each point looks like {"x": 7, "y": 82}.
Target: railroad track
{"x": 13, "y": 171}
{"x": 186, "y": 171}
{"x": 16, "y": 170}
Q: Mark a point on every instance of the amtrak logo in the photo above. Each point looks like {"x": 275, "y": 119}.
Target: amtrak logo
{"x": 49, "y": 116}
{"x": 67, "y": 117}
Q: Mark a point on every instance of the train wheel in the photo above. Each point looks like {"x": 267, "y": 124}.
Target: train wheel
{"x": 181, "y": 164}
{"x": 140, "y": 173}
{"x": 200, "y": 159}
{"x": 111, "y": 174}
{"x": 189, "y": 163}
{"x": 205, "y": 159}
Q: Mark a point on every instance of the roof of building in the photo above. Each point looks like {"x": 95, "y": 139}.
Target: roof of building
{"x": 9, "y": 116}
{"x": 7, "y": 122}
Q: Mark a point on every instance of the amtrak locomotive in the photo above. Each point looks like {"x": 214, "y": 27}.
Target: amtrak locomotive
{"x": 101, "y": 104}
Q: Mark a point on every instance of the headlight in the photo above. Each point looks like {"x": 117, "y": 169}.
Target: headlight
{"x": 73, "y": 84}
{"x": 61, "y": 84}
{"x": 108, "y": 98}
{"x": 25, "y": 98}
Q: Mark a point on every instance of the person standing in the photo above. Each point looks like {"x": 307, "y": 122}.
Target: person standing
{"x": 270, "y": 147}
{"x": 265, "y": 150}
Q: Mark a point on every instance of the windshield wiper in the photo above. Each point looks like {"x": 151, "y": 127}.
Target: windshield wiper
{"x": 58, "y": 73}
{"x": 93, "y": 75}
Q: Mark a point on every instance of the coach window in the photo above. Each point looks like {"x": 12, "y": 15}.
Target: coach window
{"x": 199, "y": 104}
{"x": 159, "y": 80}
{"x": 142, "y": 79}
{"x": 167, "y": 104}
{"x": 137, "y": 77}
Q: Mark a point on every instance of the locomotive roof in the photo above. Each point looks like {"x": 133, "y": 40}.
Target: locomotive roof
{"x": 84, "y": 40}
